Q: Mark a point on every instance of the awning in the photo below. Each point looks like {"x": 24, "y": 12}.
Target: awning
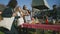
{"x": 40, "y": 4}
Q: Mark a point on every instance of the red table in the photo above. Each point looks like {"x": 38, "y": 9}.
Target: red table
{"x": 42, "y": 26}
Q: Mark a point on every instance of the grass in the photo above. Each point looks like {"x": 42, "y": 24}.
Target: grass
{"x": 1, "y": 32}
{"x": 38, "y": 31}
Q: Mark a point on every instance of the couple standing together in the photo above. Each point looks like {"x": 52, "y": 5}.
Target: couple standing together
{"x": 12, "y": 11}
{"x": 23, "y": 15}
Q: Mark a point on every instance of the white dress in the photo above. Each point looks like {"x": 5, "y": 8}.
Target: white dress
{"x": 27, "y": 17}
{"x": 20, "y": 20}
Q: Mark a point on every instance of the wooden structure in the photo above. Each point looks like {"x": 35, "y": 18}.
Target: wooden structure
{"x": 40, "y": 4}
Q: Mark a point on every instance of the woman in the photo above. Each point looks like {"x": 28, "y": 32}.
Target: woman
{"x": 8, "y": 17}
{"x": 19, "y": 16}
{"x": 27, "y": 17}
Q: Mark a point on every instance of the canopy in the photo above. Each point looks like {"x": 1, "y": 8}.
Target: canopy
{"x": 40, "y": 4}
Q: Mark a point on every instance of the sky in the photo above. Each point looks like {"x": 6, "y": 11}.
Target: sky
{"x": 28, "y": 3}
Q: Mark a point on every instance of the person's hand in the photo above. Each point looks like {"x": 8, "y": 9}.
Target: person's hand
{"x": 14, "y": 14}
{"x": 0, "y": 12}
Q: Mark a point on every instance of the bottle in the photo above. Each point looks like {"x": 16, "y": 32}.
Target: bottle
{"x": 36, "y": 21}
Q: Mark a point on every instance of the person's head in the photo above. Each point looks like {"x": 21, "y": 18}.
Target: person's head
{"x": 54, "y": 7}
{"x": 12, "y": 3}
{"x": 18, "y": 8}
{"x": 24, "y": 7}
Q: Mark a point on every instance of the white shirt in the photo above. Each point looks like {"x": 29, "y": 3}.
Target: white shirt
{"x": 18, "y": 13}
{"x": 20, "y": 20}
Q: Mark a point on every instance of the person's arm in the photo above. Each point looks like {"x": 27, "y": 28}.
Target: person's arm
{"x": 27, "y": 12}
{"x": 0, "y": 12}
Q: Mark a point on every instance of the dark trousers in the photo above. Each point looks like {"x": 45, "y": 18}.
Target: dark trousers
{"x": 6, "y": 31}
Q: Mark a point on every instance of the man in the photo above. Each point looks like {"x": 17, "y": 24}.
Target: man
{"x": 54, "y": 12}
{"x": 54, "y": 16}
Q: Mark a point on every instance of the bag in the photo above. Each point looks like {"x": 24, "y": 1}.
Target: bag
{"x": 17, "y": 17}
{"x": 7, "y": 23}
